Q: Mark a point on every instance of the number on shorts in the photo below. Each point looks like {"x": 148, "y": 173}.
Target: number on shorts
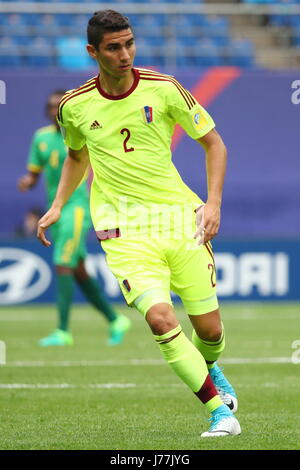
{"x": 212, "y": 268}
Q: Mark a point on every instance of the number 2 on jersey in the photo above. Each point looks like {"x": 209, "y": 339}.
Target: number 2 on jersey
{"x": 127, "y": 133}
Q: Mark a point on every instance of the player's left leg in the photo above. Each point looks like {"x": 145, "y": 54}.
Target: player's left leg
{"x": 209, "y": 338}
{"x": 118, "y": 324}
{"x": 194, "y": 280}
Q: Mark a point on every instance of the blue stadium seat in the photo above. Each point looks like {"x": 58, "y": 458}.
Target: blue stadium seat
{"x": 296, "y": 36}
{"x": 208, "y": 53}
{"x": 203, "y": 53}
{"x": 47, "y": 25}
{"x": 217, "y": 31}
{"x": 295, "y": 20}
{"x": 10, "y": 53}
{"x": 159, "y": 1}
{"x": 63, "y": 19}
{"x": 66, "y": 1}
{"x": 280, "y": 20}
{"x": 184, "y": 24}
{"x": 259, "y": 1}
{"x": 31, "y": 19}
{"x": 3, "y": 19}
{"x": 22, "y": 40}
{"x": 149, "y": 25}
{"x": 216, "y": 21}
{"x": 241, "y": 53}
{"x": 71, "y": 53}
{"x": 39, "y": 53}
{"x": 78, "y": 25}
{"x": 150, "y": 21}
{"x": 187, "y": 41}
{"x": 199, "y": 20}
{"x": 14, "y": 25}
{"x": 168, "y": 1}
{"x": 149, "y": 54}
{"x": 155, "y": 41}
{"x": 133, "y": 19}
{"x": 185, "y": 54}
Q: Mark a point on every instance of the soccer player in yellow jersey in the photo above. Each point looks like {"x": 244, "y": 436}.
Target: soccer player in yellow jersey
{"x": 154, "y": 230}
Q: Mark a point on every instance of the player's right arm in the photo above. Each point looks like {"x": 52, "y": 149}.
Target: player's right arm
{"x": 73, "y": 171}
{"x": 35, "y": 165}
{"x": 28, "y": 181}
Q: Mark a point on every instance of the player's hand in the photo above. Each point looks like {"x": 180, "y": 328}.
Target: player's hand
{"x": 48, "y": 219}
{"x": 25, "y": 182}
{"x": 208, "y": 222}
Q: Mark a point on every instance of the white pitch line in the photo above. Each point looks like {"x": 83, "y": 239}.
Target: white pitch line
{"x": 257, "y": 360}
{"x": 141, "y": 362}
{"x": 60, "y": 386}
{"x": 109, "y": 386}
{"x": 99, "y": 363}
{"x": 88, "y": 315}
{"x": 39, "y": 318}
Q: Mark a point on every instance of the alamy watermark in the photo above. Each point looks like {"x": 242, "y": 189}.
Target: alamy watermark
{"x": 149, "y": 221}
{"x": 2, "y": 353}
{"x": 296, "y": 353}
{"x": 295, "y": 96}
{"x": 2, "y": 92}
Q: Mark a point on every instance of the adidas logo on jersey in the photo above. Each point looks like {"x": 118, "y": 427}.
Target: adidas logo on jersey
{"x": 95, "y": 125}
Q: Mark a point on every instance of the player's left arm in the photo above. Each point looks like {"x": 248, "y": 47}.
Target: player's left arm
{"x": 184, "y": 109}
{"x": 208, "y": 216}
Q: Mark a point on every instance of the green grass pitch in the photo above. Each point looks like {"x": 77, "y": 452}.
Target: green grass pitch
{"x": 92, "y": 396}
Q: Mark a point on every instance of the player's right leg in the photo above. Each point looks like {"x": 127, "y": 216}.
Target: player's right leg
{"x": 66, "y": 235}
{"x": 61, "y": 336}
{"x": 190, "y": 366}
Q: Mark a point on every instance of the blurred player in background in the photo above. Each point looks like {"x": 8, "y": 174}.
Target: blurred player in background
{"x": 123, "y": 121}
{"x": 48, "y": 154}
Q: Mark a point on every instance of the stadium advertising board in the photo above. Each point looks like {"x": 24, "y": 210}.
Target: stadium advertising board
{"x": 246, "y": 270}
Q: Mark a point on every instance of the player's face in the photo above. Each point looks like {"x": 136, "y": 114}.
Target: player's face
{"x": 116, "y": 53}
{"x": 52, "y": 106}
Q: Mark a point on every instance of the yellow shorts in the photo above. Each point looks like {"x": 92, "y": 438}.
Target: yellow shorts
{"x": 147, "y": 270}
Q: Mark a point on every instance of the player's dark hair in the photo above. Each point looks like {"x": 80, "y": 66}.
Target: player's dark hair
{"x": 105, "y": 21}
{"x": 57, "y": 92}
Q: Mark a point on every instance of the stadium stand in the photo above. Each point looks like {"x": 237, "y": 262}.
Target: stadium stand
{"x": 37, "y": 39}
{"x": 169, "y": 36}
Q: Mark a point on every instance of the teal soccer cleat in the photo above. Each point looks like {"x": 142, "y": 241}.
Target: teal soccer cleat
{"x": 117, "y": 330}
{"x": 223, "y": 423}
{"x": 224, "y": 388}
{"x": 57, "y": 338}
